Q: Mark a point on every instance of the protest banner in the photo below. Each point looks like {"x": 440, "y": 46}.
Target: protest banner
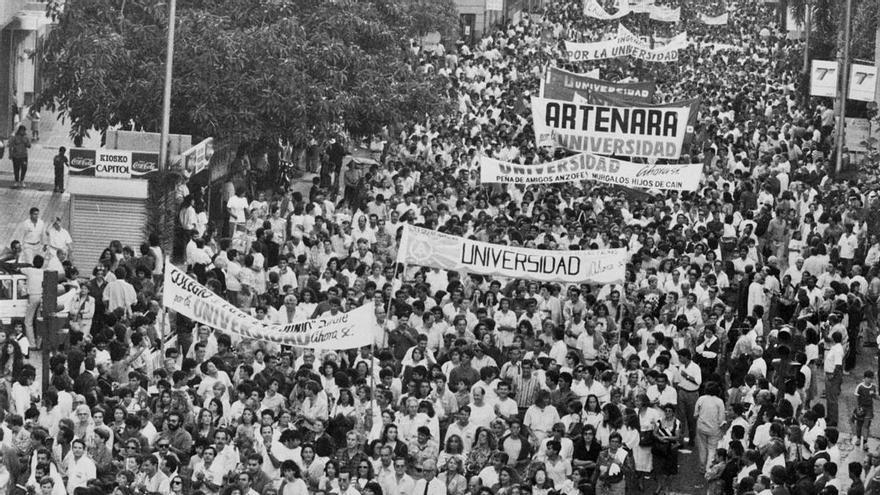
{"x": 623, "y": 101}
{"x": 662, "y": 14}
{"x": 626, "y": 44}
{"x": 434, "y": 249}
{"x": 593, "y": 9}
{"x": 186, "y": 296}
{"x": 559, "y": 84}
{"x": 718, "y": 20}
{"x": 823, "y": 78}
{"x": 862, "y": 82}
{"x": 610, "y": 130}
{"x": 586, "y": 166}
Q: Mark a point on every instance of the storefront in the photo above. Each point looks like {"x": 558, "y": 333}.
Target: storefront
{"x": 108, "y": 199}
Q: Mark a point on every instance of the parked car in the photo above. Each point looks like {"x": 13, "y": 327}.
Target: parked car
{"x": 13, "y": 297}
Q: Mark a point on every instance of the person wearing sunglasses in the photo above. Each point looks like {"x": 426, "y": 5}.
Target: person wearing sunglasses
{"x": 176, "y": 486}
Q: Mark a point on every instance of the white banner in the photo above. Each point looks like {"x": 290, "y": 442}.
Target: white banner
{"x": 718, "y": 20}
{"x": 594, "y": 10}
{"x": 586, "y": 166}
{"x": 185, "y": 295}
{"x": 656, "y": 132}
{"x": 626, "y": 44}
{"x": 663, "y": 14}
{"x": 497, "y": 5}
{"x": 823, "y": 78}
{"x": 862, "y": 82}
{"x": 433, "y": 249}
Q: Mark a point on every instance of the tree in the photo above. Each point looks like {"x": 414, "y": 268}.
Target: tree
{"x": 243, "y": 69}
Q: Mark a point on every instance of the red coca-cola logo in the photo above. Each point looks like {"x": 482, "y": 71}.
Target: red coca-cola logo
{"x": 81, "y": 162}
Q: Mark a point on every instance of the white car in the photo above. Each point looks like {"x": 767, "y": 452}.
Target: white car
{"x": 13, "y": 297}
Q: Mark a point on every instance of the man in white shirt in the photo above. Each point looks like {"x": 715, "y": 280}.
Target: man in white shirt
{"x": 58, "y": 238}
{"x": 833, "y": 367}
{"x": 401, "y": 483}
{"x": 34, "y": 276}
{"x": 429, "y": 484}
{"x": 31, "y": 232}
{"x": 119, "y": 293}
{"x": 80, "y": 469}
{"x": 661, "y": 393}
{"x": 688, "y": 378}
{"x": 237, "y": 209}
{"x": 464, "y": 429}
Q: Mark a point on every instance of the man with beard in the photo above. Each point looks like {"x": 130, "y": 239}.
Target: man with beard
{"x": 180, "y": 441}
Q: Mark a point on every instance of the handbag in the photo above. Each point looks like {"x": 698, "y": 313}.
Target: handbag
{"x": 646, "y": 438}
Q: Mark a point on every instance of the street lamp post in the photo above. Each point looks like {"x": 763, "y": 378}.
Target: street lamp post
{"x": 166, "y": 97}
{"x": 843, "y": 87}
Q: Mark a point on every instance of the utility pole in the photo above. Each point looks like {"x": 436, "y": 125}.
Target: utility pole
{"x": 166, "y": 98}
{"x": 807, "y": 20}
{"x": 843, "y": 87}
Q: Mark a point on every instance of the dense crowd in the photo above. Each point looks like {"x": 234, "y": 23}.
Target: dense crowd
{"x": 744, "y": 304}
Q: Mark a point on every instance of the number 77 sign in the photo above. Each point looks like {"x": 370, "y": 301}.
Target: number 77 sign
{"x": 862, "y": 82}
{"x": 823, "y": 78}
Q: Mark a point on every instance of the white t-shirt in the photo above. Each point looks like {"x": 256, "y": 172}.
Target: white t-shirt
{"x": 237, "y": 206}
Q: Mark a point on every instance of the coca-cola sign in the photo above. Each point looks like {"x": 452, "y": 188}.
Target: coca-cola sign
{"x": 115, "y": 164}
{"x": 82, "y": 162}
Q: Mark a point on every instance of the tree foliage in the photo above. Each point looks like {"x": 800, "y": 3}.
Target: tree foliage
{"x": 245, "y": 69}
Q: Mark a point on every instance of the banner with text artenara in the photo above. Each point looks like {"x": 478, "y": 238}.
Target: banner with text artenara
{"x": 434, "y": 249}
{"x": 586, "y": 166}
{"x": 631, "y": 131}
{"x": 186, "y": 296}
{"x": 559, "y": 84}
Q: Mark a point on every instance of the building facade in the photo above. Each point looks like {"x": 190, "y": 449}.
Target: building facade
{"x": 23, "y": 26}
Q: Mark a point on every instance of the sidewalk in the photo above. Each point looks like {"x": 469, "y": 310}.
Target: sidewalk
{"x": 15, "y": 203}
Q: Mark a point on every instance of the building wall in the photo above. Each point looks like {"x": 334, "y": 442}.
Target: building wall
{"x": 18, "y": 74}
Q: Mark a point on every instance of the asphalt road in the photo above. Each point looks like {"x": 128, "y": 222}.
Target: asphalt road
{"x": 690, "y": 482}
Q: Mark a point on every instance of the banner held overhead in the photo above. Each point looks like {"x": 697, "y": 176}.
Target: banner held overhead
{"x": 610, "y": 130}
{"x": 434, "y": 249}
{"x": 186, "y": 296}
{"x": 586, "y": 166}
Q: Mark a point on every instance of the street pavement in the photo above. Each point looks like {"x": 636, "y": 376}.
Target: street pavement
{"x": 691, "y": 482}
{"x": 15, "y": 203}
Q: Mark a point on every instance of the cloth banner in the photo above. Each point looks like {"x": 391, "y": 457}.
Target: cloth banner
{"x": 823, "y": 78}
{"x": 559, "y": 84}
{"x": 434, "y": 249}
{"x": 586, "y": 166}
{"x": 718, "y": 20}
{"x": 623, "y": 101}
{"x": 625, "y": 44}
{"x": 596, "y": 11}
{"x": 662, "y": 14}
{"x": 634, "y": 131}
{"x": 186, "y": 296}
{"x": 862, "y": 82}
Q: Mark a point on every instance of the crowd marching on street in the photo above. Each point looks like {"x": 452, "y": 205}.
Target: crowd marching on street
{"x": 741, "y": 306}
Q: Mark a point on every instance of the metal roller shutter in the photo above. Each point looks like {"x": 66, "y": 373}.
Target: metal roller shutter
{"x": 96, "y": 221}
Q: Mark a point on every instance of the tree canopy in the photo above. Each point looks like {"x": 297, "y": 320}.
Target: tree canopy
{"x": 244, "y": 69}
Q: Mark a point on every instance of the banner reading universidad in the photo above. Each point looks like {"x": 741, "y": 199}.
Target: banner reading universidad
{"x": 586, "y": 166}
{"x": 434, "y": 249}
{"x": 626, "y": 44}
{"x": 634, "y": 131}
{"x": 559, "y": 84}
{"x": 188, "y": 297}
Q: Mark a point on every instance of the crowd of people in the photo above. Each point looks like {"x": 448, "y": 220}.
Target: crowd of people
{"x": 744, "y": 305}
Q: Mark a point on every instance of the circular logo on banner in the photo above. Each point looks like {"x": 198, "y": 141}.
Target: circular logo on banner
{"x": 421, "y": 250}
